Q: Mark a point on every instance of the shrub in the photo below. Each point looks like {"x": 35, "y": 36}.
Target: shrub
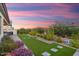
{"x": 7, "y": 45}
{"x": 33, "y": 32}
{"x": 58, "y": 39}
{"x": 49, "y": 37}
{"x": 42, "y": 35}
{"x": 75, "y": 43}
{"x": 50, "y": 34}
{"x": 19, "y": 43}
{"x": 22, "y": 52}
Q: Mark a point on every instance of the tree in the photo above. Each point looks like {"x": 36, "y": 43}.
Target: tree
{"x": 62, "y": 30}
{"x": 23, "y": 31}
{"x": 39, "y": 30}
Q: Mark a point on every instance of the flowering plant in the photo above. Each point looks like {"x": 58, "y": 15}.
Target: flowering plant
{"x": 19, "y": 43}
{"x": 22, "y": 52}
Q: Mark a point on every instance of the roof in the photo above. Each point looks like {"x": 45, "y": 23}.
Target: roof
{"x": 3, "y": 10}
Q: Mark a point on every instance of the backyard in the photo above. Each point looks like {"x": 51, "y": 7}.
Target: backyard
{"x": 39, "y": 47}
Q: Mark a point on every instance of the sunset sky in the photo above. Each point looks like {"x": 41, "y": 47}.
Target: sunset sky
{"x": 31, "y": 15}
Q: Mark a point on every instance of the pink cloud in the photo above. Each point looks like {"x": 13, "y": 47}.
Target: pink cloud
{"x": 46, "y": 13}
{"x": 26, "y": 22}
{"x": 31, "y": 24}
{"x": 23, "y": 13}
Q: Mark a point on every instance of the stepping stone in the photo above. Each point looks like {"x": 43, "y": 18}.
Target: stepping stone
{"x": 46, "y": 54}
{"x": 54, "y": 49}
{"x": 59, "y": 46}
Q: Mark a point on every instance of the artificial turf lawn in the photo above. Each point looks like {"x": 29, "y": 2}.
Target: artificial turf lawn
{"x": 39, "y": 47}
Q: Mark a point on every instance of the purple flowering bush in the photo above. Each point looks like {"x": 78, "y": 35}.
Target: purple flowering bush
{"x": 19, "y": 43}
{"x": 22, "y": 52}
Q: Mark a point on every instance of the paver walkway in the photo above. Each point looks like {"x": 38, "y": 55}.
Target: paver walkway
{"x": 76, "y": 53}
{"x": 41, "y": 39}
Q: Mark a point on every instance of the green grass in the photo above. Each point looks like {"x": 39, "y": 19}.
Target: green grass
{"x": 39, "y": 47}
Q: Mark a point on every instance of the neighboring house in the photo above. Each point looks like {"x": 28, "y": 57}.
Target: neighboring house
{"x": 4, "y": 19}
{"x": 66, "y": 40}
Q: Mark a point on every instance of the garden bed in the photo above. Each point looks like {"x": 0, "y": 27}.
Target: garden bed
{"x": 10, "y": 48}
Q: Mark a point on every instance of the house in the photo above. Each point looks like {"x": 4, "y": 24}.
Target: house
{"x": 4, "y": 20}
{"x": 66, "y": 40}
